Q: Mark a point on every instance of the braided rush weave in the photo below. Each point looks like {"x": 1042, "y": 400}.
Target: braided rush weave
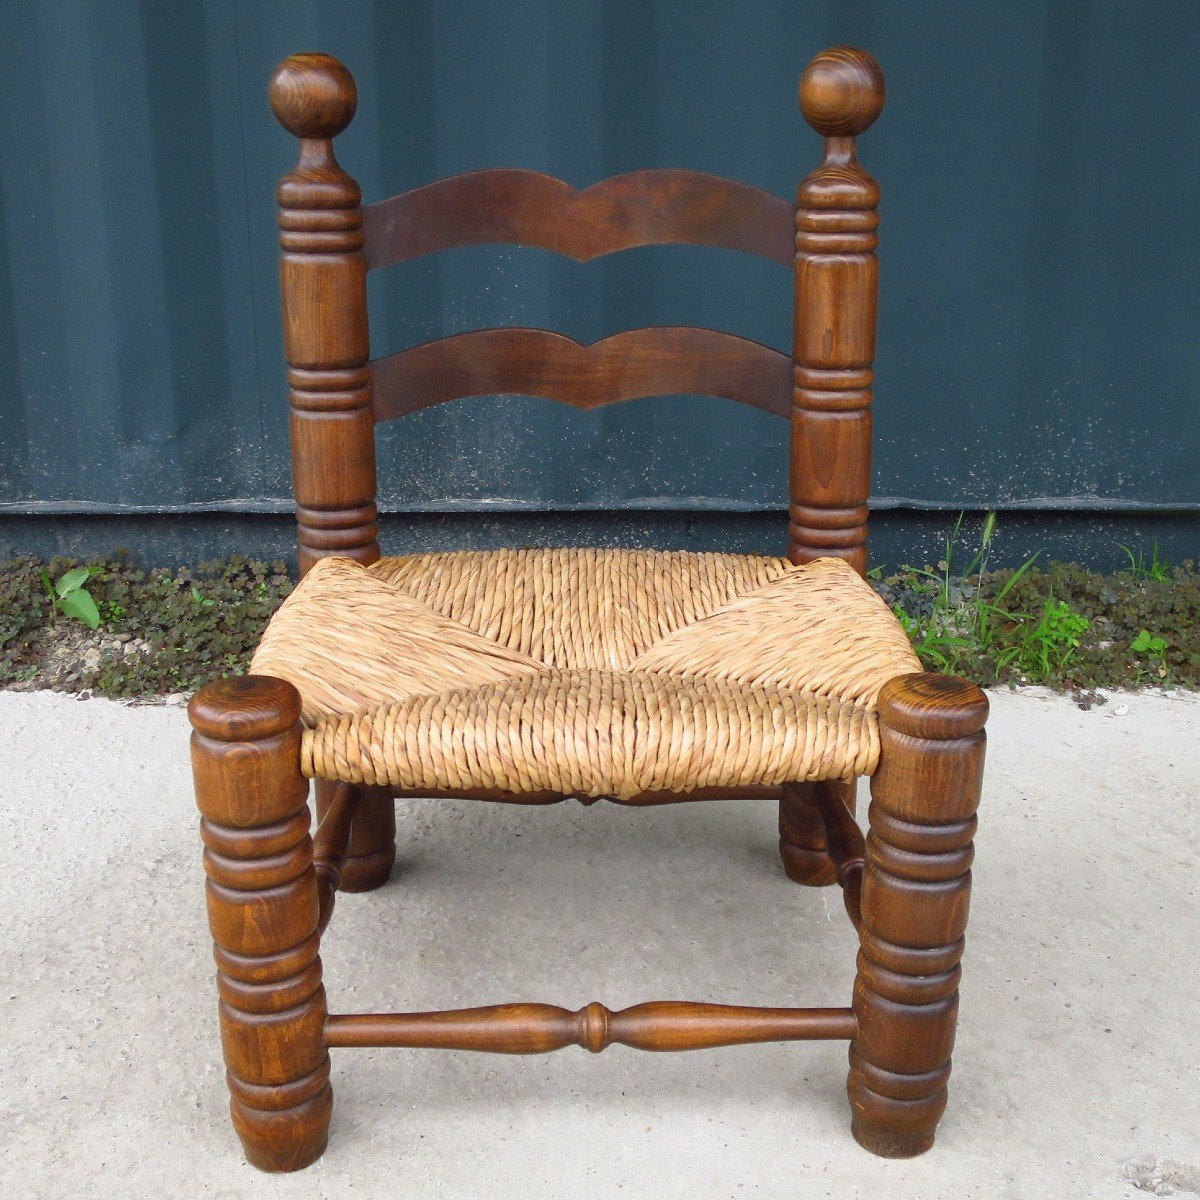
{"x": 585, "y": 672}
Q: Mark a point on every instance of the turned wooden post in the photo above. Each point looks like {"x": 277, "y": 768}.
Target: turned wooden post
{"x": 836, "y": 277}
{"x": 322, "y": 277}
{"x": 915, "y": 894}
{"x": 833, "y": 348}
{"x": 802, "y": 832}
{"x": 371, "y": 853}
{"x": 262, "y": 909}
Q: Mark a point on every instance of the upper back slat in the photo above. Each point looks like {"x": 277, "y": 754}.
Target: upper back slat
{"x": 525, "y": 208}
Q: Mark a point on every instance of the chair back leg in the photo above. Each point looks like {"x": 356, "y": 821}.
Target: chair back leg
{"x": 833, "y": 345}
{"x": 323, "y": 284}
{"x": 371, "y": 853}
{"x": 802, "y": 831}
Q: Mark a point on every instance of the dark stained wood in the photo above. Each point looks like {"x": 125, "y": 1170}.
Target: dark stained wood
{"x": 845, "y": 844}
{"x": 663, "y": 1025}
{"x": 833, "y": 349}
{"x": 322, "y": 276}
{"x": 843, "y": 838}
{"x": 313, "y": 95}
{"x": 263, "y": 910}
{"x": 523, "y": 208}
{"x": 669, "y": 360}
{"x": 642, "y": 800}
{"x": 915, "y": 895}
{"x": 802, "y": 831}
{"x": 336, "y": 803}
{"x": 842, "y": 92}
{"x": 371, "y": 851}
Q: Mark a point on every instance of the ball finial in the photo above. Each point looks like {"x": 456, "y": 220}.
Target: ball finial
{"x": 841, "y": 92}
{"x": 313, "y": 95}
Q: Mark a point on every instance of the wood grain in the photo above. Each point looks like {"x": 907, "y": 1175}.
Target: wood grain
{"x": 322, "y": 280}
{"x": 836, "y": 284}
{"x": 915, "y": 895}
{"x": 336, "y": 803}
{"x": 802, "y": 844}
{"x": 263, "y": 910}
{"x": 370, "y": 852}
{"x": 661, "y": 1025}
{"x": 670, "y": 360}
{"x": 524, "y": 208}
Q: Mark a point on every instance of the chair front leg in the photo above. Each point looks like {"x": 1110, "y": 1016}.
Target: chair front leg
{"x": 262, "y": 909}
{"x": 915, "y": 895}
{"x": 371, "y": 853}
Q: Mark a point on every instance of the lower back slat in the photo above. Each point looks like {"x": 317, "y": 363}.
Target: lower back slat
{"x": 665, "y": 361}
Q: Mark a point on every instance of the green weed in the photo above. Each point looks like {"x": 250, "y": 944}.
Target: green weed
{"x": 69, "y": 597}
{"x": 1154, "y": 648}
{"x": 1045, "y": 643}
{"x": 962, "y": 625}
{"x": 1139, "y": 568}
{"x": 1062, "y": 626}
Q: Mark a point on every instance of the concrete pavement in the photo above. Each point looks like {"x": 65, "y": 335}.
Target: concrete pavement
{"x": 1077, "y": 1071}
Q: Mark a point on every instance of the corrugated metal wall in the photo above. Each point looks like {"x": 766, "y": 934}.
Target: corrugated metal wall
{"x": 1041, "y": 274}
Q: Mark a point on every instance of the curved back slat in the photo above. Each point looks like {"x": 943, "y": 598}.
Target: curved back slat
{"x": 527, "y": 209}
{"x": 671, "y": 360}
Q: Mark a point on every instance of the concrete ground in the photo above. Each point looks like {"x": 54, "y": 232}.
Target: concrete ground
{"x": 1077, "y": 1071}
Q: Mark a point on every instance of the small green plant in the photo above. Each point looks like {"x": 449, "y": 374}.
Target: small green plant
{"x": 1155, "y": 569}
{"x": 963, "y": 625}
{"x": 1046, "y": 643}
{"x": 69, "y": 597}
{"x": 993, "y": 617}
{"x": 933, "y": 646}
{"x": 945, "y": 574}
{"x": 1153, "y": 647}
{"x": 206, "y": 603}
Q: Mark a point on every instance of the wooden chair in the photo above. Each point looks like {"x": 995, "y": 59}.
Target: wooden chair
{"x": 534, "y": 676}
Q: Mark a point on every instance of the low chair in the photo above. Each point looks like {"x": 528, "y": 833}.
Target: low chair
{"x": 534, "y": 676}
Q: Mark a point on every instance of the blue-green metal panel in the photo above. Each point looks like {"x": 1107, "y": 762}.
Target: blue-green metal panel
{"x": 1040, "y": 277}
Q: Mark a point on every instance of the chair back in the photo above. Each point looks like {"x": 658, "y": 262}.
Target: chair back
{"x": 329, "y": 241}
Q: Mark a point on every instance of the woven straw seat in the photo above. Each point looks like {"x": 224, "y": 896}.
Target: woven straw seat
{"x": 585, "y": 672}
